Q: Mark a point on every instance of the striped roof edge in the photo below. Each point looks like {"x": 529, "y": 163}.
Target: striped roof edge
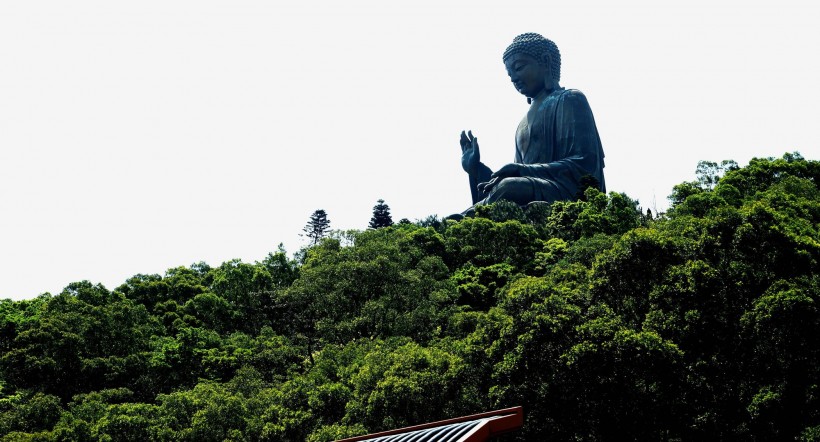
{"x": 473, "y": 428}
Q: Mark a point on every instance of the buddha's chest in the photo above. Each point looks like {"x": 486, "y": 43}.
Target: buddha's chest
{"x": 531, "y": 137}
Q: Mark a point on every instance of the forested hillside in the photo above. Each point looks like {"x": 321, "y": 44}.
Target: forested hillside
{"x": 602, "y": 322}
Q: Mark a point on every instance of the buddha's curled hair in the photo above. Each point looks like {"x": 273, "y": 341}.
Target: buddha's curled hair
{"x": 538, "y": 47}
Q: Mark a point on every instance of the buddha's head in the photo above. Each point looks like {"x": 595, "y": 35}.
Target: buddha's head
{"x": 533, "y": 64}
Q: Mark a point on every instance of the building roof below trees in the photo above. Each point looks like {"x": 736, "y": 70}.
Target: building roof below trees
{"x": 473, "y": 428}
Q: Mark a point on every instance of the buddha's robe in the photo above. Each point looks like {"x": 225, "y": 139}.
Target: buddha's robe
{"x": 558, "y": 143}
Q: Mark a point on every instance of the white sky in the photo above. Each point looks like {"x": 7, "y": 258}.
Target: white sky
{"x": 138, "y": 136}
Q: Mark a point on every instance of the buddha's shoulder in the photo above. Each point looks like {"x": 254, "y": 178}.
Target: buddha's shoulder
{"x": 571, "y": 97}
{"x": 570, "y": 94}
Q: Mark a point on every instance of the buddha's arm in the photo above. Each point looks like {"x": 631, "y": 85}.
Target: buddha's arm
{"x": 478, "y": 176}
{"x": 471, "y": 163}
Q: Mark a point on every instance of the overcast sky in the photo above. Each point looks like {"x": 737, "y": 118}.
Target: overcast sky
{"x": 139, "y": 136}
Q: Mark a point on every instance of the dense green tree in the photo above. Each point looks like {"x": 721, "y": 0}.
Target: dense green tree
{"x": 392, "y": 389}
{"x": 282, "y": 269}
{"x": 179, "y": 284}
{"x": 479, "y": 287}
{"x": 782, "y": 372}
{"x": 26, "y": 412}
{"x": 18, "y": 316}
{"x": 248, "y": 290}
{"x": 482, "y": 242}
{"x": 373, "y": 288}
{"x": 381, "y": 216}
{"x": 76, "y": 346}
{"x": 604, "y": 323}
{"x": 317, "y": 226}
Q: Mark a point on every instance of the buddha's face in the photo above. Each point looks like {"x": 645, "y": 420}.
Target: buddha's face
{"x": 528, "y": 75}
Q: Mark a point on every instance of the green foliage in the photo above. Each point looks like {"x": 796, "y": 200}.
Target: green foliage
{"x": 381, "y": 216}
{"x": 596, "y": 214}
{"x": 630, "y": 379}
{"x": 317, "y": 226}
{"x": 501, "y": 211}
{"x": 28, "y": 412}
{"x": 17, "y": 316}
{"x": 374, "y": 288}
{"x": 482, "y": 242}
{"x": 479, "y": 286}
{"x": 179, "y": 285}
{"x": 605, "y": 324}
{"x": 75, "y": 346}
{"x": 709, "y": 172}
{"x": 682, "y": 191}
{"x": 392, "y": 388}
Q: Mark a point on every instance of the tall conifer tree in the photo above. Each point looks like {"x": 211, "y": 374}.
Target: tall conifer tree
{"x": 317, "y": 226}
{"x": 381, "y": 216}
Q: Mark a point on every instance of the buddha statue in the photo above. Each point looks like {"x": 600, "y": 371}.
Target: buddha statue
{"x": 557, "y": 148}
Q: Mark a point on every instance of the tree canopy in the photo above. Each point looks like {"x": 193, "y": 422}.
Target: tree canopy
{"x": 317, "y": 226}
{"x": 381, "y": 216}
{"x": 604, "y": 323}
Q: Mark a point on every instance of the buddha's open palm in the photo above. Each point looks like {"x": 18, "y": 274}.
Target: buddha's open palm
{"x": 470, "y": 155}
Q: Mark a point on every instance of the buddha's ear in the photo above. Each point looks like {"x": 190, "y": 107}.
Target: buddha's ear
{"x": 549, "y": 79}
{"x": 544, "y": 59}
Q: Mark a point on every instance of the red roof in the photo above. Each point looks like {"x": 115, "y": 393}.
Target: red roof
{"x": 473, "y": 428}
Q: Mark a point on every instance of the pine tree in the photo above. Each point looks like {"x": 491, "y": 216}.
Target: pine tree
{"x": 381, "y": 216}
{"x": 317, "y": 226}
